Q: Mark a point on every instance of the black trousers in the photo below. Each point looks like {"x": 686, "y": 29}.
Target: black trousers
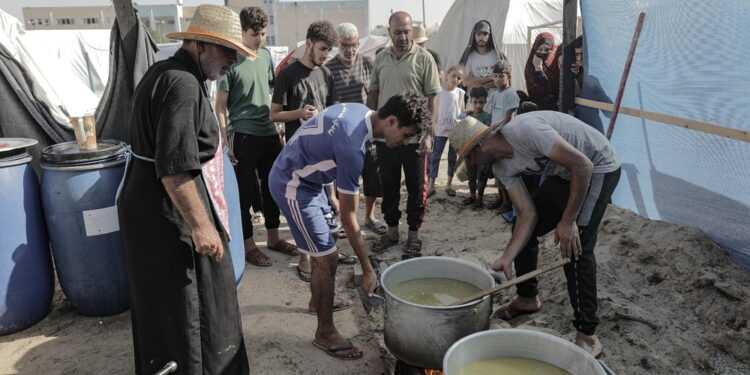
{"x": 550, "y": 200}
{"x": 255, "y": 156}
{"x": 391, "y": 161}
{"x": 371, "y": 186}
{"x": 478, "y": 177}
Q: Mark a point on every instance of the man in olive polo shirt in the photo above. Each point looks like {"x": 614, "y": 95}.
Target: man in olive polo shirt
{"x": 244, "y": 91}
{"x": 405, "y": 67}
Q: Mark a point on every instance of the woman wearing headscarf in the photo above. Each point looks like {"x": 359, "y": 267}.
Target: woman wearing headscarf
{"x": 542, "y": 73}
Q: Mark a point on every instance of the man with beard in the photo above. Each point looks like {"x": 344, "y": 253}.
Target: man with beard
{"x": 255, "y": 141}
{"x": 172, "y": 211}
{"x": 403, "y": 67}
{"x": 351, "y": 74}
{"x": 303, "y": 88}
{"x": 480, "y": 56}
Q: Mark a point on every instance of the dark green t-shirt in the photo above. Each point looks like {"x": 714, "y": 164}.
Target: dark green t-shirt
{"x": 484, "y": 117}
{"x": 249, "y": 101}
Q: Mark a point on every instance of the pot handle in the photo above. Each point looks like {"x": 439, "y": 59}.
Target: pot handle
{"x": 385, "y": 306}
{"x": 606, "y": 369}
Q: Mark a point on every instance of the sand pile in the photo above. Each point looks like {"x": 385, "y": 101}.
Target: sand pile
{"x": 670, "y": 299}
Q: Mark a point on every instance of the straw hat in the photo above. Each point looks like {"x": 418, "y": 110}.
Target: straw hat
{"x": 419, "y": 34}
{"x": 217, "y": 25}
{"x": 465, "y": 136}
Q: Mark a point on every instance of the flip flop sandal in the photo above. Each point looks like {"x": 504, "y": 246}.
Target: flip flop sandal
{"x": 431, "y": 193}
{"x": 469, "y": 200}
{"x": 451, "y": 192}
{"x": 413, "y": 246}
{"x": 333, "y": 352}
{"x": 257, "y": 258}
{"x": 285, "y": 248}
{"x": 508, "y": 312}
{"x": 383, "y": 243}
{"x": 338, "y": 305}
{"x": 347, "y": 259}
{"x": 376, "y": 227}
{"x": 303, "y": 275}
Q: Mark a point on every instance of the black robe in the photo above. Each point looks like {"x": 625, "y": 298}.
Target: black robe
{"x": 184, "y": 304}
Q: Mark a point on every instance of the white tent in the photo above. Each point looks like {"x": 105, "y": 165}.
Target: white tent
{"x": 510, "y": 20}
{"x": 70, "y": 67}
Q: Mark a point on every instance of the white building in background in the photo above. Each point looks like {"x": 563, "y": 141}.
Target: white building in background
{"x": 162, "y": 18}
{"x": 288, "y": 20}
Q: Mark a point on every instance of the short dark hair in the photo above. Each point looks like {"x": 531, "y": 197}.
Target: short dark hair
{"x": 526, "y": 107}
{"x": 410, "y": 109}
{"x": 478, "y": 92}
{"x": 502, "y": 66}
{"x": 322, "y": 31}
{"x": 253, "y": 18}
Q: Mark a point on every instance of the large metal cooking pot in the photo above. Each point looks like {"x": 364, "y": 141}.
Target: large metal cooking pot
{"x": 521, "y": 343}
{"x": 420, "y": 335}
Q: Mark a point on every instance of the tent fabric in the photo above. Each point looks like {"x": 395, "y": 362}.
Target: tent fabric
{"x": 22, "y": 113}
{"x": 510, "y": 20}
{"x": 686, "y": 65}
{"x": 113, "y": 112}
{"x": 68, "y": 66}
{"x": 27, "y": 110}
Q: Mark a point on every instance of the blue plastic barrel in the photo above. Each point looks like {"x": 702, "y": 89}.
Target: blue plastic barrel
{"x": 78, "y": 195}
{"x": 26, "y": 276}
{"x": 236, "y": 245}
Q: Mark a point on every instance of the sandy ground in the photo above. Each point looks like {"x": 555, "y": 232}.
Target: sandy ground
{"x": 670, "y": 302}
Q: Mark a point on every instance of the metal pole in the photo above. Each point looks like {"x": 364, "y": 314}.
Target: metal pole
{"x": 625, "y": 73}
{"x": 424, "y": 16}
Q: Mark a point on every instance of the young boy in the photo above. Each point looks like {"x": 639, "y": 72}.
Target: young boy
{"x": 502, "y": 104}
{"x": 450, "y": 105}
{"x": 478, "y": 176}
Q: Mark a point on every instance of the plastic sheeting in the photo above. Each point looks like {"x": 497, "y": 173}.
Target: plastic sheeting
{"x": 510, "y": 20}
{"x": 690, "y": 63}
{"x": 70, "y": 67}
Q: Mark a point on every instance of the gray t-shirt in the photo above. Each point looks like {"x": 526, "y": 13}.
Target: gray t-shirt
{"x": 500, "y": 102}
{"x": 480, "y": 66}
{"x": 532, "y": 135}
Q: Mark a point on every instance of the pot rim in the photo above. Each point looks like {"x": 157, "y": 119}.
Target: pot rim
{"x": 530, "y": 332}
{"x": 465, "y": 262}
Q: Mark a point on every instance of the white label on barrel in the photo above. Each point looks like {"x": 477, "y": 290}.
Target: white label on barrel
{"x": 101, "y": 221}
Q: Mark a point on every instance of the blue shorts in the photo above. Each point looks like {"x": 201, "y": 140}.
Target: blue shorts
{"x": 307, "y": 221}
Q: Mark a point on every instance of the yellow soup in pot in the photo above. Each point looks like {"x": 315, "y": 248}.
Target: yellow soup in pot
{"x": 434, "y": 291}
{"x": 511, "y": 366}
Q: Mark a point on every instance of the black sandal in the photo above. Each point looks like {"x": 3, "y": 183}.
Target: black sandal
{"x": 383, "y": 243}
{"x": 413, "y": 246}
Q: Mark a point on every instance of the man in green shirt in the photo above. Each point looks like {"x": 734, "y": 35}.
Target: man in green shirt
{"x": 245, "y": 93}
{"x": 404, "y": 67}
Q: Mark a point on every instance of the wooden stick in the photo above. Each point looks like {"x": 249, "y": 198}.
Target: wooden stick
{"x": 703, "y": 127}
{"x": 625, "y": 73}
{"x": 515, "y": 281}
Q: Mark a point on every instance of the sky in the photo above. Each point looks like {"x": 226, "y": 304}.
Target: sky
{"x": 379, "y": 9}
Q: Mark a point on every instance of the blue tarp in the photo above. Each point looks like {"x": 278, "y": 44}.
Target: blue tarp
{"x": 691, "y": 62}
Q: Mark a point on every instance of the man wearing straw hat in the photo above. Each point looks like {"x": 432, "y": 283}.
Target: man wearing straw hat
{"x": 582, "y": 171}
{"x": 173, "y": 215}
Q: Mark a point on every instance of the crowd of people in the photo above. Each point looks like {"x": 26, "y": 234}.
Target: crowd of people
{"x": 301, "y": 141}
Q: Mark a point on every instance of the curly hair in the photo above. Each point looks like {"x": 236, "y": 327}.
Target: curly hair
{"x": 253, "y": 18}
{"x": 322, "y": 31}
{"x": 410, "y": 109}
